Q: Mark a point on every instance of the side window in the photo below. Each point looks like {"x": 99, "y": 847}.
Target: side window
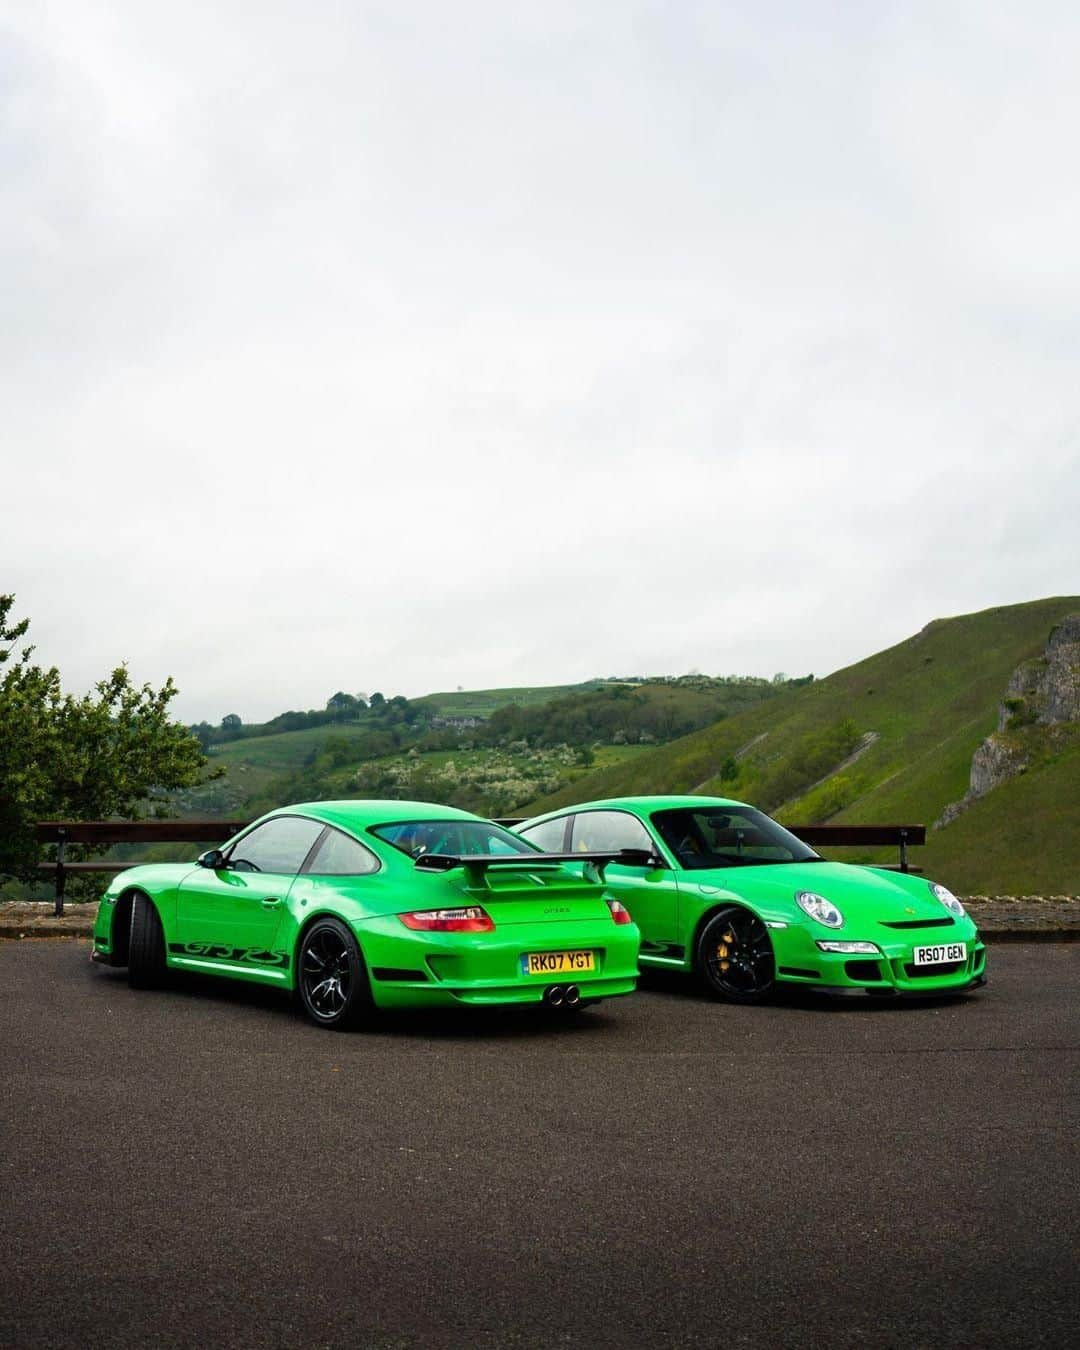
{"x": 607, "y": 831}
{"x": 279, "y": 845}
{"x": 340, "y": 856}
{"x": 550, "y": 835}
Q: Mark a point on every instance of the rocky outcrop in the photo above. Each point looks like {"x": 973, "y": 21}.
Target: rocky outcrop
{"x": 1047, "y": 690}
{"x": 1044, "y": 692}
{"x": 996, "y": 761}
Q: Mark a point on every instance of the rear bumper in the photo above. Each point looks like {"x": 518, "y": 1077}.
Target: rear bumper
{"x": 454, "y": 996}
{"x": 408, "y": 969}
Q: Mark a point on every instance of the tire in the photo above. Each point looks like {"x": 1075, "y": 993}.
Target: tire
{"x": 146, "y": 945}
{"x": 735, "y": 957}
{"x": 332, "y": 986}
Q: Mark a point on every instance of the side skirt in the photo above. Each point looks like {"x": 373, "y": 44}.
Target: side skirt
{"x": 662, "y": 954}
{"x": 227, "y": 968}
{"x": 246, "y": 963}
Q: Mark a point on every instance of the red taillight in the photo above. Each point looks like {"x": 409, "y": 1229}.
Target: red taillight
{"x": 619, "y": 912}
{"x": 471, "y": 920}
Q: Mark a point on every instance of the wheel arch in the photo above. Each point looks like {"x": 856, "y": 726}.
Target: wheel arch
{"x": 361, "y": 997}
{"x": 309, "y": 921}
{"x": 708, "y": 914}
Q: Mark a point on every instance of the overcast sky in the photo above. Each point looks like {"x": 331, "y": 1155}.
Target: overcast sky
{"x": 404, "y": 346}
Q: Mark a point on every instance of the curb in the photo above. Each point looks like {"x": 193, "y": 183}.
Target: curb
{"x": 993, "y": 936}
{"x": 38, "y": 928}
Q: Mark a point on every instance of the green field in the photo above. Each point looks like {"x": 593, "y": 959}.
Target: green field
{"x": 287, "y": 750}
{"x": 252, "y": 765}
{"x": 483, "y": 702}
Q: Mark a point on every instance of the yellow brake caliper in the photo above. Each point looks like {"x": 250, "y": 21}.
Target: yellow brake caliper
{"x": 723, "y": 951}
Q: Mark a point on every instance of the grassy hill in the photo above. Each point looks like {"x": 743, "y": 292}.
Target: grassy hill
{"x": 891, "y": 739}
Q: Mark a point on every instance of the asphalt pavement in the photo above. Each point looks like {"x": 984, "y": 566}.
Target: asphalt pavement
{"x": 200, "y": 1167}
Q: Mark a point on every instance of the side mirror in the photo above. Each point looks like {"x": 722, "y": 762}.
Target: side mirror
{"x": 212, "y": 858}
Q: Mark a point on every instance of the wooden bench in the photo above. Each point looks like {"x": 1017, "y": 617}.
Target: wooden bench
{"x": 864, "y": 836}
{"x": 108, "y": 832}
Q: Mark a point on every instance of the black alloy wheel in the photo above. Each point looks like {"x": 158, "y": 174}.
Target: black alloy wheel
{"x": 331, "y": 981}
{"x": 735, "y": 956}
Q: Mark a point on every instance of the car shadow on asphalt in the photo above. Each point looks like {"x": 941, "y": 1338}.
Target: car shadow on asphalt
{"x": 530, "y": 1022}
{"x": 503, "y": 1022}
{"x": 679, "y": 984}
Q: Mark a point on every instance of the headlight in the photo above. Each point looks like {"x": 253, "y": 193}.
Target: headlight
{"x": 824, "y": 911}
{"x": 948, "y": 899}
{"x": 850, "y": 948}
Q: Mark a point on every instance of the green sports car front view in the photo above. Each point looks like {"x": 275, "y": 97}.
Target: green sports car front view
{"x": 719, "y": 888}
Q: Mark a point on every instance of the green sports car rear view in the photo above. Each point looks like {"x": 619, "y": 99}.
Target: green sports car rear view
{"x": 718, "y": 887}
{"x": 360, "y": 905}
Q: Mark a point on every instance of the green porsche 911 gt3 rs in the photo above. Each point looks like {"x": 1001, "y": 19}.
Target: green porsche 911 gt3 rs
{"x": 720, "y": 888}
{"x": 359, "y": 905}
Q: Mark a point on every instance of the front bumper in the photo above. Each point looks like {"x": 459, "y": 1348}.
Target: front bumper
{"x": 408, "y": 969}
{"x": 799, "y": 960}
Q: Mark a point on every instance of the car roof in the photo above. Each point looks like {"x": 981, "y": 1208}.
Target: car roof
{"x": 645, "y": 805}
{"x": 360, "y": 815}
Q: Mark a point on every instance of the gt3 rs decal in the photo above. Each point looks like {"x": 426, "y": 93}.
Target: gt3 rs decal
{"x": 667, "y": 951}
{"x": 215, "y": 951}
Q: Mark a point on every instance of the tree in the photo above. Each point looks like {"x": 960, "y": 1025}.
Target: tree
{"x": 112, "y": 752}
{"x": 231, "y": 722}
{"x": 203, "y": 733}
{"x": 343, "y": 706}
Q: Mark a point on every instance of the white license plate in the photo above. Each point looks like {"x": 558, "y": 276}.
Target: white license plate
{"x": 939, "y": 954}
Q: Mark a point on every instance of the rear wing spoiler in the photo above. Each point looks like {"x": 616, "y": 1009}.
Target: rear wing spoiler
{"x": 477, "y": 865}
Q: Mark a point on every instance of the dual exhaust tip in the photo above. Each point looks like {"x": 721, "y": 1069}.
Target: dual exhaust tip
{"x": 562, "y": 996}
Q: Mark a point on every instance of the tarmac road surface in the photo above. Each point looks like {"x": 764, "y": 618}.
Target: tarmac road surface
{"x": 200, "y": 1167}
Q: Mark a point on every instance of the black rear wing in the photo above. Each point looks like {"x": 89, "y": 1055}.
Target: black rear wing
{"x": 477, "y": 865}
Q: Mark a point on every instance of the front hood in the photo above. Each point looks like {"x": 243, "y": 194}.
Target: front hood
{"x": 862, "y": 894}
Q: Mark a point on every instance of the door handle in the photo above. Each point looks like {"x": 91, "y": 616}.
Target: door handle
{"x": 271, "y": 902}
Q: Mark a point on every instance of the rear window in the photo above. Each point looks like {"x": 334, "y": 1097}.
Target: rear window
{"x": 459, "y": 838}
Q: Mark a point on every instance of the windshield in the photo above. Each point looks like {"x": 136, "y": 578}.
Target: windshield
{"x": 459, "y": 838}
{"x": 728, "y": 836}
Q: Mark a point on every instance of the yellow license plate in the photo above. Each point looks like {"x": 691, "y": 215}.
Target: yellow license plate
{"x": 557, "y": 963}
